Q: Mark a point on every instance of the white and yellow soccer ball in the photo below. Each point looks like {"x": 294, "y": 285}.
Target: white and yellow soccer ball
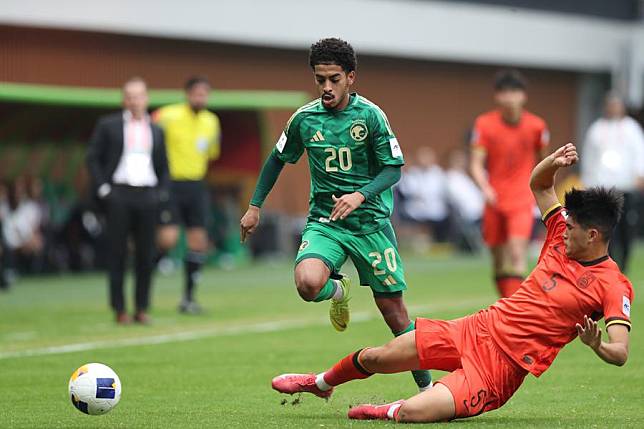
{"x": 94, "y": 389}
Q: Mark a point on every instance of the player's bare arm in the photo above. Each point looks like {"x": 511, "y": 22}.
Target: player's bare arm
{"x": 267, "y": 178}
{"x": 615, "y": 351}
{"x": 477, "y": 170}
{"x": 542, "y": 180}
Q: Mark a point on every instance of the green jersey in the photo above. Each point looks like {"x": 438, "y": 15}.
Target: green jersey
{"x": 346, "y": 150}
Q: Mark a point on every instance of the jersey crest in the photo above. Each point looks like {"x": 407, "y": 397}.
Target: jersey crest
{"x": 585, "y": 280}
{"x": 359, "y": 130}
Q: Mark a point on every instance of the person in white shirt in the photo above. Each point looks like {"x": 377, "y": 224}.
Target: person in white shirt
{"x": 464, "y": 196}
{"x": 466, "y": 202}
{"x": 127, "y": 161}
{"x": 423, "y": 188}
{"x": 22, "y": 221}
{"x": 4, "y": 248}
{"x": 613, "y": 156}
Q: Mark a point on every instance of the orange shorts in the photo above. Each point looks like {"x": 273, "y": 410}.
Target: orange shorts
{"x": 500, "y": 225}
{"x": 482, "y": 377}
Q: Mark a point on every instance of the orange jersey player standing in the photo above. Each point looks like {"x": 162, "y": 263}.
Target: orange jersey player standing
{"x": 488, "y": 354}
{"x": 506, "y": 144}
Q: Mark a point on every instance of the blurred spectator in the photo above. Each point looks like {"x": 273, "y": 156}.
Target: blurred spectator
{"x": 4, "y": 210}
{"x": 466, "y": 202}
{"x": 127, "y": 161}
{"x": 423, "y": 189}
{"x": 21, "y": 227}
{"x": 40, "y": 206}
{"x": 613, "y": 155}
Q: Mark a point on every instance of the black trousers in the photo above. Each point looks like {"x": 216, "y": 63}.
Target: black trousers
{"x": 131, "y": 211}
{"x": 625, "y": 231}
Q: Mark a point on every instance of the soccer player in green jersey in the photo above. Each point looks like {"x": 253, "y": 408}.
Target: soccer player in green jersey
{"x": 354, "y": 159}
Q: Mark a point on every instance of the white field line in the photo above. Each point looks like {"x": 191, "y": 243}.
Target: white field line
{"x": 275, "y": 326}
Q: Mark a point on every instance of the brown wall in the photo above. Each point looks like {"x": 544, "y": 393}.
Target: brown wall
{"x": 428, "y": 103}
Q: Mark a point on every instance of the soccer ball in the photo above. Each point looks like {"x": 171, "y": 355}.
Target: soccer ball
{"x": 94, "y": 388}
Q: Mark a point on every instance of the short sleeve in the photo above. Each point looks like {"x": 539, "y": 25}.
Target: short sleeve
{"x": 543, "y": 136}
{"x": 160, "y": 117}
{"x": 290, "y": 147}
{"x": 479, "y": 139}
{"x": 555, "y": 220}
{"x": 385, "y": 143}
{"x": 617, "y": 304}
{"x": 214, "y": 148}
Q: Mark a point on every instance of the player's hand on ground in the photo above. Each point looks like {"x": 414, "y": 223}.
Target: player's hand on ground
{"x": 345, "y": 205}
{"x": 565, "y": 156}
{"x": 589, "y": 333}
{"x": 249, "y": 222}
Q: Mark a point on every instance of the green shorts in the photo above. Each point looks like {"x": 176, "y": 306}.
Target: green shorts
{"x": 374, "y": 255}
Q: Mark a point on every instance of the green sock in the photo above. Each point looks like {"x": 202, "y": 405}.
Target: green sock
{"x": 326, "y": 292}
{"x": 422, "y": 377}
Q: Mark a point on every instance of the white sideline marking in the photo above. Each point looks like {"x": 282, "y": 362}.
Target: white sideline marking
{"x": 282, "y": 325}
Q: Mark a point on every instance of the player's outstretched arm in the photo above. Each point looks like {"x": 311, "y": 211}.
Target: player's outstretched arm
{"x": 542, "y": 180}
{"x": 267, "y": 178}
{"x": 477, "y": 170}
{"x": 615, "y": 351}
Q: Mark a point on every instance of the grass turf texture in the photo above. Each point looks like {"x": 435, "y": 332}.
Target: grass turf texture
{"x": 222, "y": 379}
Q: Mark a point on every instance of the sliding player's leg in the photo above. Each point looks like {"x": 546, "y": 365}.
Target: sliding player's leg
{"x": 396, "y": 356}
{"x": 434, "y": 405}
{"x": 481, "y": 377}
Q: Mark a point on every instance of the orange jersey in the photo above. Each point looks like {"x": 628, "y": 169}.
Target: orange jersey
{"x": 511, "y": 154}
{"x": 539, "y": 319}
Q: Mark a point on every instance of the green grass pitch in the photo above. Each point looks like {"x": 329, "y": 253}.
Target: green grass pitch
{"x": 214, "y": 370}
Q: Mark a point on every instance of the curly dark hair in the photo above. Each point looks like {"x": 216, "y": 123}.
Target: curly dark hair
{"x": 509, "y": 79}
{"x": 596, "y": 207}
{"x": 333, "y": 51}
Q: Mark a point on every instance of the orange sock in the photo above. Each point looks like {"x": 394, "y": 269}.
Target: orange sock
{"x": 508, "y": 284}
{"x": 346, "y": 369}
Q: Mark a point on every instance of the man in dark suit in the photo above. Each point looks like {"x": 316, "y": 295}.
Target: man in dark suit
{"x": 127, "y": 162}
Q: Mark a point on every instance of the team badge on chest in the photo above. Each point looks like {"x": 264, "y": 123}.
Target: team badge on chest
{"x": 359, "y": 130}
{"x": 586, "y": 280}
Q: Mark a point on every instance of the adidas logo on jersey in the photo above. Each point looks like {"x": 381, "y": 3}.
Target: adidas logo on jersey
{"x": 317, "y": 137}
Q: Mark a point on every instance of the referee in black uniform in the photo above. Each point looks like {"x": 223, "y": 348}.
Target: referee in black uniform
{"x": 192, "y": 141}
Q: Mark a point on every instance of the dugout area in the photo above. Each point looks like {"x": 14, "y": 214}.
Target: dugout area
{"x": 45, "y": 131}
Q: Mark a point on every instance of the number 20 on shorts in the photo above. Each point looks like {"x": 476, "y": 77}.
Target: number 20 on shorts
{"x": 390, "y": 260}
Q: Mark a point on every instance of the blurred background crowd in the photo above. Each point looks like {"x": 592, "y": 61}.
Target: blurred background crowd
{"x": 431, "y": 88}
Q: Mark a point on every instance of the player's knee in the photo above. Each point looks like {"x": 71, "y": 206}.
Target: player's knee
{"x": 372, "y": 359}
{"x": 197, "y": 241}
{"x": 167, "y": 238}
{"x": 308, "y": 287}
